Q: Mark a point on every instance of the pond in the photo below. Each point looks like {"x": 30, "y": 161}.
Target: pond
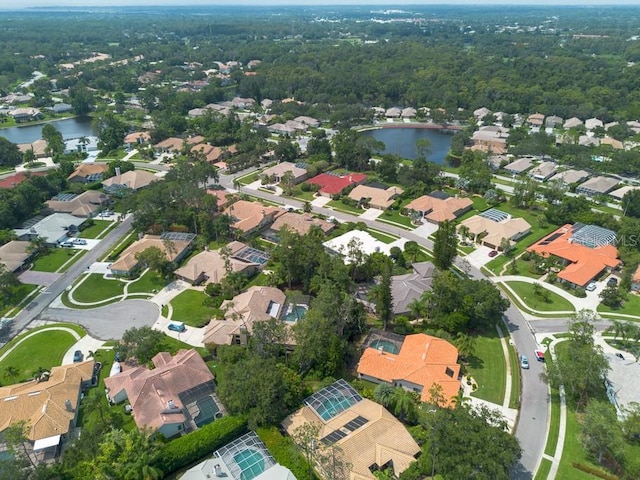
{"x": 69, "y": 128}
{"x": 402, "y": 141}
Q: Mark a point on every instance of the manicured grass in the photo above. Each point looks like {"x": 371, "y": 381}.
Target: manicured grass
{"x": 96, "y": 288}
{"x": 44, "y": 350}
{"x": 338, "y": 205}
{"x": 631, "y": 306}
{"x": 247, "y": 179}
{"x": 172, "y": 345}
{"x": 525, "y": 292}
{"x": 95, "y": 230}
{"x": 394, "y": 216}
{"x": 488, "y": 368}
{"x": 21, "y": 293}
{"x": 554, "y": 421}
{"x": 543, "y": 469}
{"x": 383, "y": 237}
{"x": 72, "y": 326}
{"x": 260, "y": 279}
{"x": 150, "y": 283}
{"x": 304, "y": 196}
{"x": 523, "y": 267}
{"x": 54, "y": 259}
{"x": 514, "y": 399}
{"x": 188, "y": 308}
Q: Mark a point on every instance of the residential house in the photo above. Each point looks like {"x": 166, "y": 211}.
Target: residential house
{"x": 411, "y": 286}
{"x": 54, "y": 228}
{"x": 174, "y": 245}
{"x": 364, "y": 241}
{"x": 167, "y": 398}
{"x": 600, "y": 185}
{"x": 81, "y": 145}
{"x": 635, "y": 280}
{"x": 281, "y": 129}
{"x": 300, "y": 223}
{"x": 61, "y": 108}
{"x": 421, "y": 363}
{"x": 257, "y": 304}
{"x": 134, "y": 139}
{"x": 28, "y": 114}
{"x": 223, "y": 197}
{"x": 571, "y": 176}
{"x": 15, "y": 254}
{"x": 436, "y": 210}
{"x": 519, "y": 166}
{"x": 49, "y": 405}
{"x": 374, "y": 197}
{"x": 593, "y": 123}
{"x": 226, "y": 463}
{"x": 480, "y": 113}
{"x": 553, "y": 121}
{"x": 331, "y": 184}
{"x": 169, "y": 145}
{"x": 249, "y": 217}
{"x": 17, "y": 178}
{"x": 612, "y": 142}
{"x": 393, "y": 112}
{"x": 310, "y": 121}
{"x": 573, "y": 122}
{"x": 619, "y": 193}
{"x": 369, "y": 437}
{"x": 131, "y": 180}
{"x": 38, "y": 147}
{"x": 490, "y": 138}
{"x": 87, "y": 204}
{"x": 211, "y": 266}
{"x": 586, "y": 251}
{"x": 535, "y": 119}
{"x": 408, "y": 112}
{"x": 88, "y": 173}
{"x": 277, "y": 172}
{"x": 493, "y": 228}
{"x": 543, "y": 171}
{"x": 588, "y": 141}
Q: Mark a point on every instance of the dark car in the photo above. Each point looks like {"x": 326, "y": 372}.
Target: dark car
{"x": 612, "y": 282}
{"x": 493, "y": 253}
{"x": 77, "y": 356}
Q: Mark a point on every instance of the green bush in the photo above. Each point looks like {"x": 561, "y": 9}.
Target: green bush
{"x": 190, "y": 448}
{"x": 594, "y": 471}
{"x": 285, "y": 452}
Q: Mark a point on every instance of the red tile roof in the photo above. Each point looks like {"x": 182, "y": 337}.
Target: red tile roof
{"x": 13, "y": 180}
{"x": 585, "y": 263}
{"x": 334, "y": 184}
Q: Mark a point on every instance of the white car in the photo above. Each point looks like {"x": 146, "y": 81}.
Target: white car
{"x": 591, "y": 287}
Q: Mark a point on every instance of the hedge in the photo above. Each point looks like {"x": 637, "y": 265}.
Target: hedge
{"x": 594, "y": 471}
{"x": 190, "y": 448}
{"x": 285, "y": 452}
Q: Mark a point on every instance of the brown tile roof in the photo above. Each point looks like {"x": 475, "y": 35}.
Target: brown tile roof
{"x": 171, "y": 143}
{"x": 133, "y": 179}
{"x": 210, "y": 265}
{"x": 437, "y": 210}
{"x": 281, "y": 168}
{"x": 496, "y": 232}
{"x": 148, "y": 391}
{"x": 423, "y": 360}
{"x": 251, "y": 215}
{"x": 381, "y": 440}
{"x": 137, "y": 137}
{"x": 43, "y": 404}
{"x": 301, "y": 223}
{"x": 256, "y": 304}
{"x": 14, "y": 254}
{"x": 85, "y": 169}
{"x": 127, "y": 260}
{"x": 39, "y": 147}
{"x": 84, "y": 205}
{"x": 585, "y": 263}
{"x": 378, "y": 198}
{"x": 223, "y": 197}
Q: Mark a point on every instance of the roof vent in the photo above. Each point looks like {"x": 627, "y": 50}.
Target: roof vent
{"x": 68, "y": 406}
{"x": 217, "y": 469}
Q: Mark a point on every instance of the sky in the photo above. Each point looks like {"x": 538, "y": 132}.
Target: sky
{"x": 13, "y": 4}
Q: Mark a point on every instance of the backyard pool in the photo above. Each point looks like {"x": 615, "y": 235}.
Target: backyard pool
{"x": 251, "y": 463}
{"x": 295, "y": 313}
{"x": 386, "y": 345}
{"x": 209, "y": 411}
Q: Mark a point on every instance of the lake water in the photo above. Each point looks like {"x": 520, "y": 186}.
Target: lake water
{"x": 402, "y": 142}
{"x": 69, "y": 128}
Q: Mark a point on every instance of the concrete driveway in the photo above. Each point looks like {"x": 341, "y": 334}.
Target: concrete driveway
{"x": 480, "y": 256}
{"x": 34, "y": 277}
{"x": 86, "y": 344}
{"x": 108, "y": 322}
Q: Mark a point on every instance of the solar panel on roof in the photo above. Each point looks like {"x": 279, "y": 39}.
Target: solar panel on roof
{"x": 356, "y": 423}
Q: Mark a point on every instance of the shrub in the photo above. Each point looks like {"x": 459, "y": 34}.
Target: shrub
{"x": 189, "y": 448}
{"x": 594, "y": 471}
{"x": 285, "y": 452}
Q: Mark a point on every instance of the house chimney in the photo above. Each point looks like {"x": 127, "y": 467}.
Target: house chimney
{"x": 171, "y": 404}
{"x": 117, "y": 171}
{"x": 217, "y": 469}
{"x": 68, "y": 406}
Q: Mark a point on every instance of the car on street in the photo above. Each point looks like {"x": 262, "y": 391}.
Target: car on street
{"x": 539, "y": 355}
{"x": 493, "y": 253}
{"x": 591, "y": 287}
{"x": 77, "y": 356}
{"x": 524, "y": 362}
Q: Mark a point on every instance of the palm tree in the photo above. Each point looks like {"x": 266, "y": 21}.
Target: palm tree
{"x": 383, "y": 394}
{"x": 466, "y": 344}
{"x": 404, "y": 405}
{"x": 11, "y": 372}
{"x": 418, "y": 308}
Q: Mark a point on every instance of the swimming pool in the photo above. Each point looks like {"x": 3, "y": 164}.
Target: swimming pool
{"x": 295, "y": 313}
{"x": 209, "y": 411}
{"x": 251, "y": 463}
{"x": 332, "y": 406}
{"x": 386, "y": 345}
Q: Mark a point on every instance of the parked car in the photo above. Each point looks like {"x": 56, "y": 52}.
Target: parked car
{"x": 619, "y": 355}
{"x": 176, "y": 326}
{"x": 493, "y": 253}
{"x": 612, "y": 282}
{"x": 66, "y": 244}
{"x": 524, "y": 362}
{"x": 539, "y": 355}
{"x": 79, "y": 241}
{"x": 591, "y": 287}
{"x": 77, "y": 356}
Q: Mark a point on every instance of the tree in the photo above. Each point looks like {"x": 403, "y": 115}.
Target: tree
{"x": 268, "y": 337}
{"x": 381, "y": 294}
{"x": 285, "y": 151}
{"x": 466, "y": 344}
{"x": 404, "y": 405}
{"x": 16, "y": 437}
{"x": 10, "y": 155}
{"x": 141, "y": 343}
{"x": 445, "y": 245}
{"x": 631, "y": 422}
{"x": 383, "y": 394}
{"x": 412, "y": 249}
{"x": 332, "y": 463}
{"x": 54, "y": 139}
{"x": 154, "y": 259}
{"x": 81, "y": 99}
{"x": 111, "y": 131}
{"x": 631, "y": 203}
{"x": 11, "y": 372}
{"x": 287, "y": 182}
{"x": 601, "y": 431}
{"x": 611, "y": 297}
{"x": 306, "y": 438}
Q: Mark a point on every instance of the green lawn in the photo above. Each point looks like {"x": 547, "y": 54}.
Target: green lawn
{"x": 44, "y": 350}
{"x": 543, "y": 469}
{"x": 247, "y": 179}
{"x": 304, "y": 196}
{"x": 54, "y": 259}
{"x": 514, "y": 399}
{"x": 383, "y": 237}
{"x": 338, "y": 205}
{"x": 96, "y": 288}
{"x": 394, "y": 216}
{"x": 21, "y": 293}
{"x": 188, "y": 308}
{"x": 555, "y": 303}
{"x": 631, "y": 306}
{"x": 488, "y": 368}
{"x": 523, "y": 267}
{"x": 95, "y": 230}
{"x": 150, "y": 283}
{"x": 554, "y": 421}
{"x": 172, "y": 345}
